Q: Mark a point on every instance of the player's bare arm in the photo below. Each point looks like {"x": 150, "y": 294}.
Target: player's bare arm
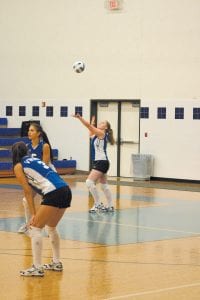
{"x": 93, "y": 130}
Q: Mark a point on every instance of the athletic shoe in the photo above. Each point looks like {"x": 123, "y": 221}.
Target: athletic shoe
{"x": 23, "y": 228}
{"x": 53, "y": 266}
{"x": 97, "y": 208}
{"x": 101, "y": 206}
{"x": 109, "y": 209}
{"x": 94, "y": 209}
{"x": 33, "y": 271}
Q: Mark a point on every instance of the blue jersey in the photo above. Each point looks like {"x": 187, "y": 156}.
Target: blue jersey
{"x": 37, "y": 152}
{"x": 40, "y": 176}
{"x": 98, "y": 148}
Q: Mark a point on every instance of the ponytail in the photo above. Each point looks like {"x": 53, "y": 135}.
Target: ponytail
{"x": 109, "y": 132}
{"x": 46, "y": 140}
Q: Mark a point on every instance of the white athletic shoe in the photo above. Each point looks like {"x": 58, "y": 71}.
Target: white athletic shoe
{"x": 101, "y": 206}
{"x": 33, "y": 271}
{"x": 54, "y": 266}
{"x": 96, "y": 208}
{"x": 93, "y": 209}
{"x": 23, "y": 228}
{"x": 109, "y": 209}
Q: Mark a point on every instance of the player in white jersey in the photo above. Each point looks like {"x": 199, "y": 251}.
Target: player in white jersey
{"x": 100, "y": 136}
{"x": 32, "y": 173}
{"x": 40, "y": 147}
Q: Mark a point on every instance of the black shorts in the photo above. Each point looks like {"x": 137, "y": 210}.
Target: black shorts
{"x": 60, "y": 198}
{"x": 101, "y": 165}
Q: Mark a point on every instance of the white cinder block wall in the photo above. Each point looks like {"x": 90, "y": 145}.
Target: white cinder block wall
{"x": 149, "y": 51}
{"x": 172, "y": 142}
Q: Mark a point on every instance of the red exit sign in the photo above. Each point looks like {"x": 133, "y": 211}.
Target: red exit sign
{"x": 114, "y": 4}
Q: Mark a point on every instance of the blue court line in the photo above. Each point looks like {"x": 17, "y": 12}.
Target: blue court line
{"x": 10, "y": 186}
{"x": 122, "y": 196}
{"x": 126, "y": 226}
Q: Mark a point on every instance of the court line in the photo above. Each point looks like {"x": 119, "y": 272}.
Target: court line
{"x": 133, "y": 226}
{"x": 123, "y": 196}
{"x": 119, "y": 224}
{"x": 154, "y": 291}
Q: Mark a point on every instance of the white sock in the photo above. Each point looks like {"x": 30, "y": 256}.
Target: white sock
{"x": 93, "y": 190}
{"x": 55, "y": 243}
{"x": 36, "y": 242}
{"x": 26, "y": 210}
{"x": 107, "y": 194}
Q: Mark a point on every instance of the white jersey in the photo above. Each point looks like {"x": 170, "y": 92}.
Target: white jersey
{"x": 40, "y": 176}
{"x": 98, "y": 148}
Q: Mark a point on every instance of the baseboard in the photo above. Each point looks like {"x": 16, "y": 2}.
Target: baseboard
{"x": 174, "y": 180}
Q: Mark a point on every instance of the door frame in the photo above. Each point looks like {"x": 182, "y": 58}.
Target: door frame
{"x": 93, "y": 112}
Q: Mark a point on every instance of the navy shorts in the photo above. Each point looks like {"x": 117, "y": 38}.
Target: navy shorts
{"x": 60, "y": 198}
{"x": 101, "y": 165}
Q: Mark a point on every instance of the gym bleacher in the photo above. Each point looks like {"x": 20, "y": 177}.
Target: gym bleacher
{"x": 9, "y": 136}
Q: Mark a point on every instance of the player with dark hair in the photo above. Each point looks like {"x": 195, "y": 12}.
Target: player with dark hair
{"x": 32, "y": 173}
{"x": 40, "y": 147}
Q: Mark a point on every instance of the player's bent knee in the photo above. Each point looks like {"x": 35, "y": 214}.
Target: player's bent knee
{"x": 89, "y": 183}
{"x": 35, "y": 232}
{"x": 50, "y": 230}
{"x": 104, "y": 187}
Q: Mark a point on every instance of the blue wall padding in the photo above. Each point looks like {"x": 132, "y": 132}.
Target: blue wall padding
{"x": 10, "y": 141}
{"x": 10, "y": 131}
{"x": 3, "y": 121}
{"x": 65, "y": 163}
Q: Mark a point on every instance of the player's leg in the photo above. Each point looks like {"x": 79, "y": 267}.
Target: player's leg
{"x": 49, "y": 213}
{"x": 45, "y": 215}
{"x": 54, "y": 218}
{"x": 107, "y": 193}
{"x": 23, "y": 228}
{"x": 56, "y": 264}
{"x": 91, "y": 185}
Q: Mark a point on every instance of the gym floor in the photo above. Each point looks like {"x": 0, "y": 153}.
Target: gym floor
{"x": 148, "y": 249}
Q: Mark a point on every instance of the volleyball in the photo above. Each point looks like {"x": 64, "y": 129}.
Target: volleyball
{"x": 79, "y": 66}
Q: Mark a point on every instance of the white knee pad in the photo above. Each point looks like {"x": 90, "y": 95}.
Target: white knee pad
{"x": 90, "y": 183}
{"x": 104, "y": 187}
{"x": 35, "y": 232}
{"x": 52, "y": 231}
{"x": 93, "y": 190}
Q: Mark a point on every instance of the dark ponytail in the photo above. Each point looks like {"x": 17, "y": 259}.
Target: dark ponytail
{"x": 46, "y": 140}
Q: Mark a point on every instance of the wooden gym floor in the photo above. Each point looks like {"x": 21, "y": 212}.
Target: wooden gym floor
{"x": 148, "y": 249}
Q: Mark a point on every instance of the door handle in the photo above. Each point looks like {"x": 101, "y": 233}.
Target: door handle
{"x": 128, "y": 142}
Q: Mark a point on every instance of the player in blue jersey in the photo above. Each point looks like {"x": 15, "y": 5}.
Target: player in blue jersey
{"x": 100, "y": 136}
{"x": 32, "y": 173}
{"x": 40, "y": 147}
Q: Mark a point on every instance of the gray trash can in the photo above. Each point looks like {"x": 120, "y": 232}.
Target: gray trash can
{"x": 142, "y": 166}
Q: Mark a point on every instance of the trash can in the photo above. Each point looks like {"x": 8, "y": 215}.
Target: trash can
{"x": 142, "y": 166}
